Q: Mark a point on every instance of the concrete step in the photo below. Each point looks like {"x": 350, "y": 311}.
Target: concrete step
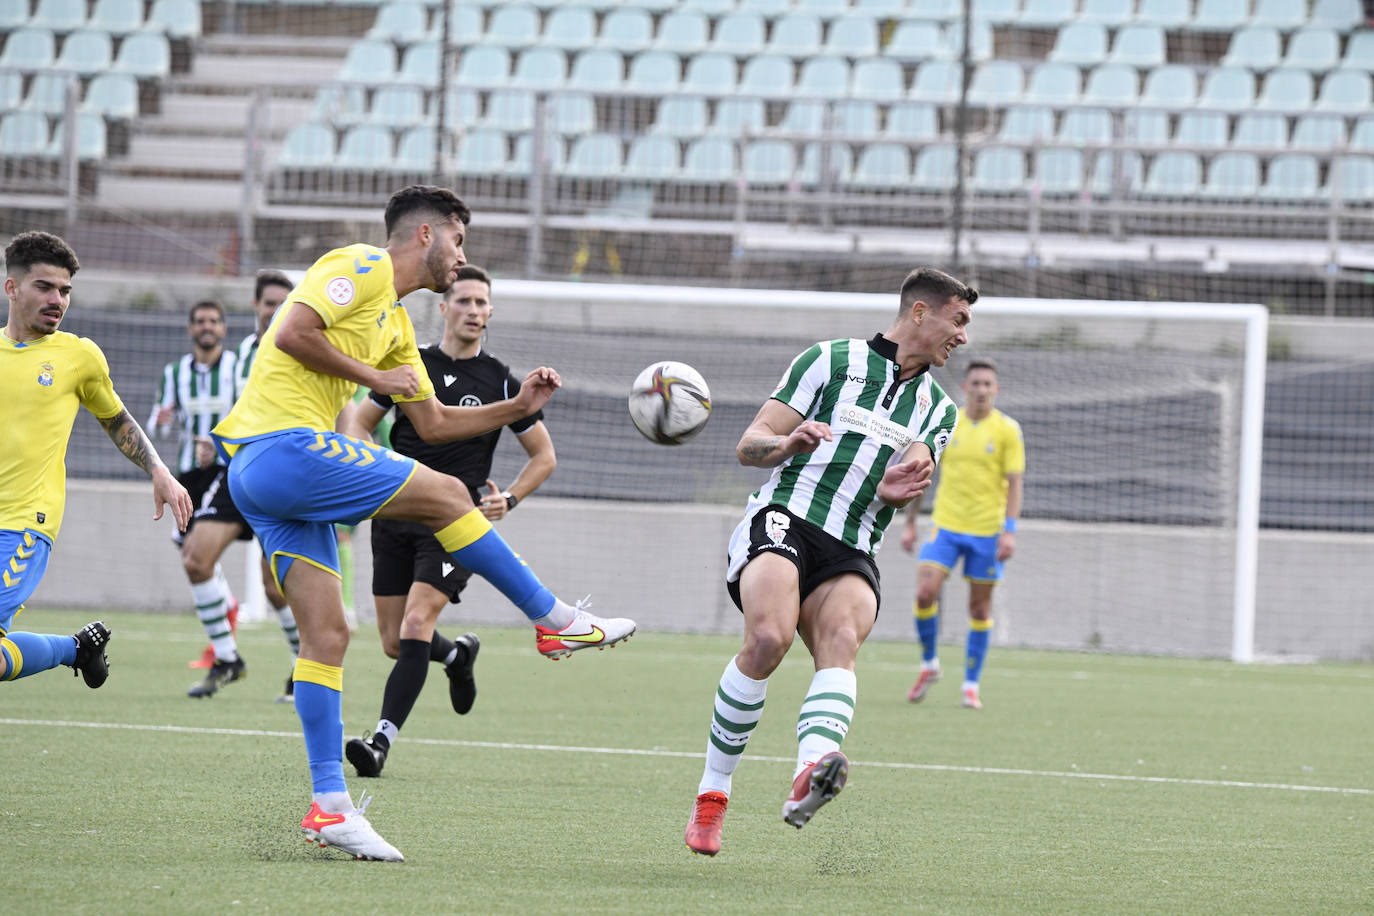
{"x": 237, "y": 73}
{"x": 131, "y": 192}
{"x": 199, "y": 114}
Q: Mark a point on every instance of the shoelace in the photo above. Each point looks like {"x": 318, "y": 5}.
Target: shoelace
{"x": 711, "y": 812}
{"x": 363, "y": 801}
{"x": 583, "y": 603}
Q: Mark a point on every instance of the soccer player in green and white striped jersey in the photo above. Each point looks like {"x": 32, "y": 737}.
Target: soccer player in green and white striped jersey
{"x": 852, "y": 434}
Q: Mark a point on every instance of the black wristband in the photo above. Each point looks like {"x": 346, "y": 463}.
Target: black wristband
{"x": 511, "y": 500}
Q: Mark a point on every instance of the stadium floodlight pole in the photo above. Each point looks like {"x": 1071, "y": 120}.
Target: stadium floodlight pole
{"x": 445, "y": 45}
{"x": 248, "y": 203}
{"x": 71, "y": 164}
{"x": 961, "y": 142}
{"x": 535, "y": 240}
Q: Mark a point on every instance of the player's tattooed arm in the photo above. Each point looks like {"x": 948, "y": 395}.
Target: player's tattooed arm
{"x": 130, "y": 439}
{"x": 760, "y": 449}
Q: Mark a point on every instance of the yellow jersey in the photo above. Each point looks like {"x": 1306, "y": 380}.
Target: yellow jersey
{"x": 352, "y": 289}
{"x": 972, "y": 496}
{"x": 41, "y": 384}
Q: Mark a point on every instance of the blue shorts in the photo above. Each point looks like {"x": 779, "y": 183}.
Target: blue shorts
{"x": 944, "y": 548}
{"x": 25, "y": 558}
{"x": 293, "y": 487}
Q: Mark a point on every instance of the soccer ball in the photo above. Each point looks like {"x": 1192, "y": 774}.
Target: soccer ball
{"x": 670, "y": 403}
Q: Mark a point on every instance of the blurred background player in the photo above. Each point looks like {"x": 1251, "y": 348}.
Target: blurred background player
{"x": 412, "y": 575}
{"x": 45, "y": 374}
{"x": 852, "y": 434}
{"x": 976, "y": 508}
{"x": 294, "y": 477}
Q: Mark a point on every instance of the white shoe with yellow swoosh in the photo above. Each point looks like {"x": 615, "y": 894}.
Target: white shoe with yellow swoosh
{"x": 585, "y": 632}
{"x": 349, "y": 831}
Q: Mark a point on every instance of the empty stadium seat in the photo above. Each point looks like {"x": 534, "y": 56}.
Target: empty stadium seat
{"x": 1232, "y": 176}
{"x": 1291, "y": 176}
{"x": 1359, "y": 52}
{"x": 462, "y": 108}
{"x": 628, "y": 30}
{"x": 980, "y": 39}
{"x": 795, "y": 35}
{"x": 597, "y": 155}
{"x": 917, "y": 40}
{"x": 597, "y": 70}
{"x": 1173, "y": 174}
{"x": 996, "y": 82}
{"x": 1138, "y": 46}
{"x": 86, "y": 52}
{"x": 1347, "y": 91}
{"x": 710, "y": 73}
{"x": 1086, "y": 126}
{"x": 825, "y": 164}
{"x": 710, "y": 159}
{"x": 481, "y": 152}
{"x": 855, "y": 37}
{"x": 1053, "y": 83}
{"x": 681, "y": 116}
{"x": 540, "y": 68}
{"x": 1286, "y": 90}
{"x": 1202, "y": 128}
{"x": 769, "y": 8}
{"x": 420, "y": 64}
{"x": 1352, "y": 178}
{"x": 1313, "y": 49}
{"x": 397, "y": 106}
{"x": 1116, "y": 173}
{"x": 1279, "y": 14}
{"x": 483, "y": 66}
{"x": 654, "y": 71}
{"x": 1046, "y": 14}
{"x": 48, "y": 92}
{"x": 935, "y": 168}
{"x": 368, "y": 62}
{"x": 1261, "y": 129}
{"x": 1026, "y": 124}
{"x": 737, "y": 117}
{"x": 1227, "y": 88}
{"x": 877, "y": 78}
{"x": 145, "y": 54}
{"x": 1112, "y": 84}
{"x": 769, "y": 75}
{"x": 307, "y": 146}
{"x": 707, "y": 7}
{"x": 572, "y": 113}
{"x": 823, "y": 77}
{"x": 14, "y": 14}
{"x": 176, "y": 18}
{"x": 1058, "y": 172}
{"x": 1170, "y": 86}
{"x": 885, "y": 8}
{"x": 653, "y": 159}
{"x": 415, "y": 150}
{"x": 936, "y": 81}
{"x": 1083, "y": 44}
{"x": 1109, "y": 13}
{"x": 740, "y": 33}
{"x": 856, "y": 118}
{"x": 1147, "y": 127}
{"x": 90, "y": 138}
{"x": 113, "y": 95}
{"x": 570, "y": 28}
{"x": 1166, "y": 14}
{"x": 1256, "y": 47}
{"x": 512, "y": 27}
{"x": 29, "y": 49}
{"x": 1341, "y": 15}
{"x": 23, "y": 134}
{"x": 464, "y": 25}
{"x": 401, "y": 22}
{"x": 364, "y": 148}
{"x": 338, "y": 105}
{"x": 826, "y": 9}
{"x": 510, "y": 110}
{"x": 59, "y": 15}
{"x": 522, "y": 156}
{"x": 683, "y": 32}
{"x": 769, "y": 162}
{"x": 911, "y": 121}
{"x": 998, "y": 170}
{"x": 116, "y": 17}
{"x": 882, "y": 166}
{"x": 1218, "y": 16}
{"x": 1319, "y": 132}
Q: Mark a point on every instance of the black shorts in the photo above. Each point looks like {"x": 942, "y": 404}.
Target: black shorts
{"x": 407, "y": 552}
{"x": 818, "y": 556}
{"x": 209, "y": 489}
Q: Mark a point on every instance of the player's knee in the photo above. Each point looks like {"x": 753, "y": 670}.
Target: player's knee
{"x": 198, "y": 567}
{"x": 391, "y": 645}
{"x": 926, "y": 595}
{"x": 765, "y": 644}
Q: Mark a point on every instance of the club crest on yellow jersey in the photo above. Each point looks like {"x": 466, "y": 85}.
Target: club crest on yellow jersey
{"x": 45, "y": 374}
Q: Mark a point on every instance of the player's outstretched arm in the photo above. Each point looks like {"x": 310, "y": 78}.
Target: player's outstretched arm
{"x": 908, "y": 480}
{"x": 130, "y": 439}
{"x": 777, "y": 433}
{"x": 438, "y": 423}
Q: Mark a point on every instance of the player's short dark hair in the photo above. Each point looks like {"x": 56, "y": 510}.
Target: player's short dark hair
{"x": 934, "y": 286}
{"x": 981, "y": 362}
{"x": 203, "y": 305}
{"x": 427, "y": 199}
{"x": 471, "y": 272}
{"x": 268, "y": 278}
{"x": 29, "y": 248}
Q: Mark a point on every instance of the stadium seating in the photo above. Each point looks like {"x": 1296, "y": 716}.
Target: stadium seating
{"x": 570, "y": 28}
{"x": 1319, "y": 132}
{"x": 595, "y": 156}
{"x": 683, "y": 31}
{"x": 176, "y": 18}
{"x": 1232, "y": 176}
{"x": 1227, "y": 88}
{"x": 652, "y": 159}
{"x": 1313, "y": 49}
{"x": 681, "y": 116}
{"x": 654, "y": 72}
{"x": 144, "y": 54}
{"x": 540, "y": 67}
{"x": 1046, "y": 14}
{"x": 482, "y": 152}
{"x": 23, "y": 134}
{"x": 1054, "y": 83}
{"x": 512, "y": 27}
{"x": 1086, "y": 126}
{"x": 522, "y": 157}
{"x": 1260, "y": 129}
{"x": 738, "y": 117}
{"x": 877, "y": 78}
{"x": 1027, "y": 125}
{"x": 29, "y": 49}
{"x": 116, "y": 17}
{"x": 1218, "y": 16}
{"x": 1286, "y": 90}
{"x": 400, "y": 22}
{"x": 768, "y": 75}
{"x": 999, "y": 170}
{"x": 1058, "y": 172}
{"x": 1164, "y": 14}
{"x": 86, "y": 51}
{"x": 1347, "y": 91}
{"x": 628, "y": 30}
{"x": 307, "y": 146}
{"x": 364, "y": 148}
{"x": 1284, "y": 15}
{"x": 769, "y": 162}
{"x": 1202, "y": 128}
{"x": 1173, "y": 175}
{"x": 1256, "y": 47}
{"x": 916, "y": 40}
{"x": 882, "y": 166}
{"x": 855, "y": 37}
{"x": 14, "y": 14}
{"x": 1083, "y": 44}
{"x": 1138, "y": 45}
{"x": 1110, "y": 13}
{"x": 934, "y": 169}
{"x": 90, "y": 138}
{"x": 510, "y": 110}
{"x": 1290, "y": 177}
{"x": 415, "y": 150}
{"x": 60, "y": 15}
{"x": 1352, "y": 177}
{"x": 1341, "y": 15}
{"x": 795, "y": 35}
{"x": 597, "y": 70}
{"x": 572, "y": 113}
{"x": 710, "y": 160}
{"x": 824, "y": 77}
{"x": 398, "y": 107}
{"x": 911, "y": 121}
{"x": 48, "y": 92}
{"x": 828, "y": 164}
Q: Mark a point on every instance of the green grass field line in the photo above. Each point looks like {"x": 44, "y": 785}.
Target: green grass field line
{"x": 1089, "y": 784}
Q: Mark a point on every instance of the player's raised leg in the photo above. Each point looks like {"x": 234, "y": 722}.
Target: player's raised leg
{"x": 442, "y": 503}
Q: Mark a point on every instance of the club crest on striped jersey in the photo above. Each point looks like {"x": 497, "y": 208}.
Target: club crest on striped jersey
{"x": 852, "y": 418}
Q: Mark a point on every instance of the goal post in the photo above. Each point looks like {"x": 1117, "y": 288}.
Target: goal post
{"x": 1097, "y": 385}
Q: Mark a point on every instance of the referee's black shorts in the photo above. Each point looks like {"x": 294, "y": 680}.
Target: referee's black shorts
{"x": 407, "y": 552}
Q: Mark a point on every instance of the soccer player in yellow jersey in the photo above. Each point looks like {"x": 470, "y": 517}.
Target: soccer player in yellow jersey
{"x": 45, "y": 374}
{"x": 976, "y": 507}
{"x": 293, "y": 477}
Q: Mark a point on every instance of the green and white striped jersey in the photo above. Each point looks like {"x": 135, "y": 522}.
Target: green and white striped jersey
{"x": 201, "y": 395}
{"x": 874, "y": 419}
{"x": 247, "y": 350}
